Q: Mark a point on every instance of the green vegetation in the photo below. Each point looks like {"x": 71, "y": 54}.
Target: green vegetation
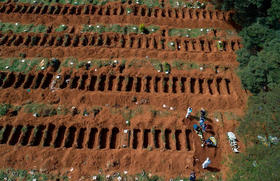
{"x": 260, "y": 161}
{"x": 142, "y": 28}
{"x": 23, "y": 65}
{"x": 188, "y": 4}
{"x": 127, "y": 29}
{"x": 259, "y": 71}
{"x": 156, "y": 64}
{"x": 61, "y": 28}
{"x": 181, "y": 65}
{"x": 127, "y": 113}
{"x": 166, "y": 68}
{"x": 159, "y": 113}
{"x": 73, "y": 2}
{"x": 14, "y": 174}
{"x": 5, "y": 108}
{"x": 191, "y": 33}
{"x": 74, "y": 63}
{"x": 220, "y": 45}
{"x": 149, "y": 3}
{"x": 19, "y": 28}
{"x": 43, "y": 110}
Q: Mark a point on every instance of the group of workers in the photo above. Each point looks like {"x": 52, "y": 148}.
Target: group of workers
{"x": 200, "y": 129}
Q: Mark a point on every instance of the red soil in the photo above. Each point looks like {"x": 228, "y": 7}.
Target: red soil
{"x": 223, "y": 94}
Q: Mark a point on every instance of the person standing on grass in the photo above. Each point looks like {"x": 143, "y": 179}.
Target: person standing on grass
{"x": 192, "y": 176}
{"x": 189, "y": 111}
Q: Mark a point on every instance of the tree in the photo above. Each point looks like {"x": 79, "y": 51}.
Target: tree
{"x": 263, "y": 70}
{"x": 274, "y": 13}
{"x": 246, "y": 11}
{"x": 255, "y": 36}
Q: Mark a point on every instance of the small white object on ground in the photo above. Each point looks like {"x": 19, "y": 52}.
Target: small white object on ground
{"x": 94, "y": 178}
{"x": 71, "y": 170}
{"x": 125, "y": 131}
{"x": 125, "y": 172}
{"x": 164, "y": 106}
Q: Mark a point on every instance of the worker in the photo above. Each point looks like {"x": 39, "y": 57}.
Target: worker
{"x": 204, "y": 127}
{"x": 202, "y": 113}
{"x": 201, "y": 121}
{"x": 211, "y": 141}
{"x": 189, "y": 111}
{"x": 202, "y": 124}
{"x": 192, "y": 176}
{"x": 196, "y": 128}
{"x": 198, "y": 131}
{"x": 206, "y": 163}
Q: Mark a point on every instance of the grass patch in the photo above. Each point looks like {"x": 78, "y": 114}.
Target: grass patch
{"x": 137, "y": 63}
{"x": 191, "y": 33}
{"x": 187, "y": 4}
{"x": 126, "y": 113}
{"x": 157, "y": 65}
{"x": 159, "y": 113}
{"x": 74, "y": 63}
{"x": 181, "y": 65}
{"x": 23, "y": 65}
{"x": 61, "y": 28}
{"x": 11, "y": 174}
{"x": 149, "y": 3}
{"x": 5, "y": 108}
{"x": 231, "y": 116}
{"x": 43, "y": 110}
{"x": 127, "y": 29}
{"x": 19, "y": 28}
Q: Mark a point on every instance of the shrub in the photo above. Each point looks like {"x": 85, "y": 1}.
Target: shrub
{"x": 220, "y": 45}
{"x": 61, "y": 28}
{"x": 142, "y": 28}
{"x": 166, "y": 68}
{"x": 4, "y": 108}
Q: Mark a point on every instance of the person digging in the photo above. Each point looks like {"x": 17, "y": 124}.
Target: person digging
{"x": 198, "y": 131}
